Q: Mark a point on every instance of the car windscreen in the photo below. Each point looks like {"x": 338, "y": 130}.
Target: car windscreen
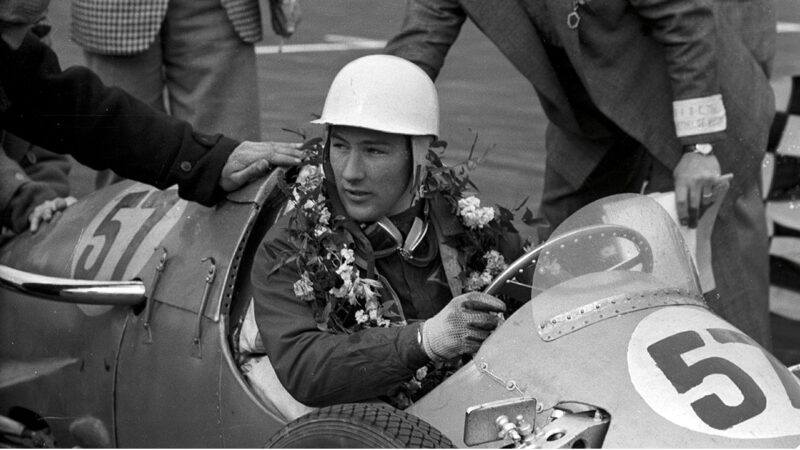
{"x": 620, "y": 232}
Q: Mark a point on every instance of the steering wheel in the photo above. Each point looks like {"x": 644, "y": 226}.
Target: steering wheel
{"x": 643, "y": 257}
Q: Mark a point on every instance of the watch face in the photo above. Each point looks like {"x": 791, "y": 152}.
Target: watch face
{"x": 703, "y": 149}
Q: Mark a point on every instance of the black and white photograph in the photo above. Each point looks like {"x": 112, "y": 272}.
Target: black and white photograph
{"x": 400, "y": 223}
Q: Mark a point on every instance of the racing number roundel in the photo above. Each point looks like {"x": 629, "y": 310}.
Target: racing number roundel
{"x": 120, "y": 239}
{"x": 701, "y": 373}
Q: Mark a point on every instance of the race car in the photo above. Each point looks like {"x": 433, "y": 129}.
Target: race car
{"x": 122, "y": 323}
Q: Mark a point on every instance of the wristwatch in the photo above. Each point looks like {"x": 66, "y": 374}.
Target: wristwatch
{"x": 701, "y": 149}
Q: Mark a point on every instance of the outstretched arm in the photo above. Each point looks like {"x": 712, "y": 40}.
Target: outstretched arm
{"x": 103, "y": 127}
{"x": 686, "y": 29}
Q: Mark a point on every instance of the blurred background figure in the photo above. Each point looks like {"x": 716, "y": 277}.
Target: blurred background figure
{"x": 193, "y": 59}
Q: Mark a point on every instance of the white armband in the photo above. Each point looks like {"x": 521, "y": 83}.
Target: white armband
{"x": 699, "y": 115}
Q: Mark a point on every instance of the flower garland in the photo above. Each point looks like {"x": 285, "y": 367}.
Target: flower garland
{"x": 486, "y": 228}
{"x": 342, "y": 300}
{"x": 345, "y": 302}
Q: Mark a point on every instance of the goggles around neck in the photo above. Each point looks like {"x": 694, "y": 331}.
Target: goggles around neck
{"x": 386, "y": 239}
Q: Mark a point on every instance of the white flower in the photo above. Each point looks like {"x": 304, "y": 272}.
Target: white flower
{"x": 343, "y": 291}
{"x": 320, "y": 229}
{"x": 376, "y": 317}
{"x": 324, "y": 216}
{"x": 310, "y": 176}
{"x": 468, "y": 205}
{"x": 293, "y": 202}
{"x": 472, "y": 214}
{"x": 309, "y": 204}
{"x": 495, "y": 262}
{"x": 369, "y": 289}
{"x": 351, "y": 296}
{"x": 346, "y": 271}
{"x": 348, "y": 255}
{"x": 303, "y": 288}
{"x": 474, "y": 282}
{"x": 371, "y": 304}
{"x": 361, "y": 318}
{"x": 422, "y": 372}
{"x": 486, "y": 277}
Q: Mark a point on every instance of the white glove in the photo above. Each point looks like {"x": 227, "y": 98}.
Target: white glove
{"x": 461, "y": 327}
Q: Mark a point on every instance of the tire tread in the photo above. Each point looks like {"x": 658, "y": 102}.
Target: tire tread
{"x": 405, "y": 430}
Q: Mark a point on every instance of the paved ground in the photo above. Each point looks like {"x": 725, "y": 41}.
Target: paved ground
{"x": 480, "y": 93}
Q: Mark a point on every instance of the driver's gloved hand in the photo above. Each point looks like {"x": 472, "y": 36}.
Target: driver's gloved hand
{"x": 462, "y": 326}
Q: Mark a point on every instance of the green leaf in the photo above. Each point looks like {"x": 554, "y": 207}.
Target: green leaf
{"x": 530, "y": 220}
{"x": 439, "y": 144}
{"x": 505, "y": 214}
{"x": 299, "y": 132}
{"x": 522, "y": 204}
{"x": 472, "y": 147}
{"x": 311, "y": 143}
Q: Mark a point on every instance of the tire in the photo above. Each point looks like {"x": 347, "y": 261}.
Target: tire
{"x": 359, "y": 426}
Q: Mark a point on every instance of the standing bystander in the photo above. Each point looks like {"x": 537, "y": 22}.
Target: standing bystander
{"x": 71, "y": 111}
{"x": 199, "y": 53}
{"x": 641, "y": 95}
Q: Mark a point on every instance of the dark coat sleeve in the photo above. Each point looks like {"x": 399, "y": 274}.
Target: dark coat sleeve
{"x": 103, "y": 127}
{"x": 429, "y": 30}
{"x": 39, "y": 164}
{"x": 320, "y": 368}
{"x": 19, "y": 194}
{"x": 686, "y": 30}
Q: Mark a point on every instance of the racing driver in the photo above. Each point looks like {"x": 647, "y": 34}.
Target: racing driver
{"x": 381, "y": 115}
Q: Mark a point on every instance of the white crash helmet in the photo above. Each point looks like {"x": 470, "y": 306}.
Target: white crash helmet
{"x": 389, "y": 94}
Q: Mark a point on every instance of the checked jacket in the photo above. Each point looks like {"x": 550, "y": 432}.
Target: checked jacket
{"x": 126, "y": 27}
